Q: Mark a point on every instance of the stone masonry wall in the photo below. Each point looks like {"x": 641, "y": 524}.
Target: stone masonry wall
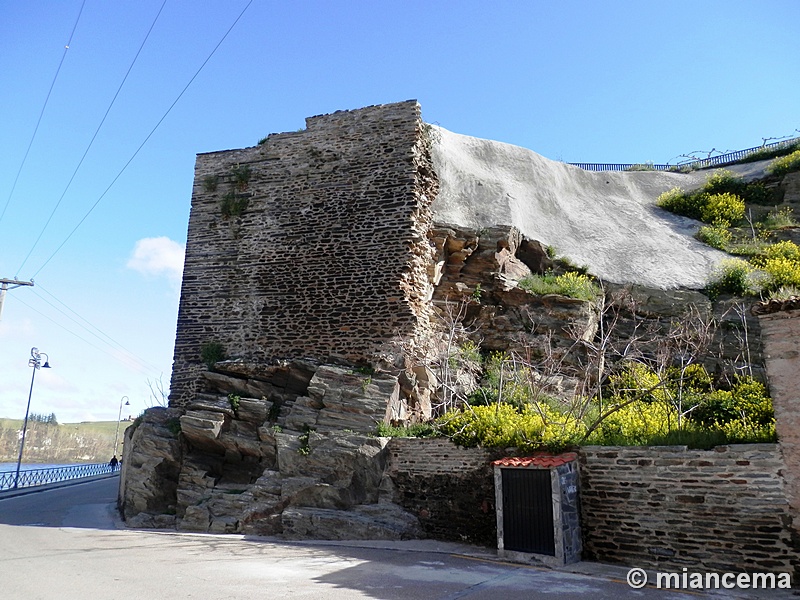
{"x": 665, "y": 507}
{"x": 449, "y": 489}
{"x": 310, "y": 245}
{"x": 781, "y": 332}
{"x": 669, "y": 507}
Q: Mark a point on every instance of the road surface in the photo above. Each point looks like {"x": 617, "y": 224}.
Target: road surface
{"x": 68, "y": 544}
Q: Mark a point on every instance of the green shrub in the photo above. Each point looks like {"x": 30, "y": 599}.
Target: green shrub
{"x": 211, "y": 353}
{"x": 499, "y": 368}
{"x": 571, "y": 284}
{"x": 732, "y": 276}
{"x": 786, "y": 249}
{"x": 724, "y": 182}
{"x": 678, "y": 202}
{"x": 635, "y": 424}
{"x": 501, "y": 425}
{"x": 787, "y": 164}
{"x": 781, "y": 261}
{"x": 722, "y": 209}
{"x": 241, "y": 176}
{"x": 635, "y": 381}
{"x": 783, "y": 272}
{"x": 747, "y": 246}
{"x": 210, "y": 183}
{"x": 233, "y": 204}
{"x": 174, "y": 426}
{"x": 755, "y": 192}
{"x": 716, "y": 236}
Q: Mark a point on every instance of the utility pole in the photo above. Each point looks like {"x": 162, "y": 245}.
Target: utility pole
{"x": 4, "y": 283}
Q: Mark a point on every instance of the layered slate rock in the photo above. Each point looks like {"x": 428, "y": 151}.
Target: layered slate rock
{"x": 238, "y": 464}
{"x": 150, "y": 469}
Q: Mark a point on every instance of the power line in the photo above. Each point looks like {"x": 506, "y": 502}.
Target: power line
{"x": 149, "y": 135}
{"x": 41, "y": 113}
{"x": 132, "y": 363}
{"x": 103, "y": 120}
{"x": 108, "y": 339}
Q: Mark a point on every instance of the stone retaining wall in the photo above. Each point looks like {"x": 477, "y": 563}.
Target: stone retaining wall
{"x": 310, "y": 245}
{"x": 450, "y": 489}
{"x": 669, "y": 507}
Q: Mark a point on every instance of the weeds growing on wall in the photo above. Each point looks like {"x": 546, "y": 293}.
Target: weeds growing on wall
{"x": 235, "y": 201}
{"x": 233, "y": 204}
{"x": 211, "y": 353}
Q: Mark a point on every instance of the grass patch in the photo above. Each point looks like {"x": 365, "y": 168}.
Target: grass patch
{"x": 779, "y": 218}
{"x": 570, "y": 284}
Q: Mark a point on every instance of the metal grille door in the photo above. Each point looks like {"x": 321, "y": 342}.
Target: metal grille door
{"x": 528, "y": 511}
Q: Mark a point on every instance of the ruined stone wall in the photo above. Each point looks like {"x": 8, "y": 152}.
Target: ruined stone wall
{"x": 781, "y": 331}
{"x": 310, "y": 245}
{"x": 669, "y": 507}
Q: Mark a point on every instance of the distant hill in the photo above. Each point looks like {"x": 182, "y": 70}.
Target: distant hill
{"x": 62, "y": 443}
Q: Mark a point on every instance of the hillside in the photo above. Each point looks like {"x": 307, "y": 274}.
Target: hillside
{"x": 604, "y": 220}
{"x": 63, "y": 443}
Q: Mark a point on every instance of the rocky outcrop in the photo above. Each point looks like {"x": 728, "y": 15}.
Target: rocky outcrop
{"x": 150, "y": 468}
{"x": 286, "y": 466}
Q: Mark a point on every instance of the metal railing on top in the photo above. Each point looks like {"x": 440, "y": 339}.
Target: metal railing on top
{"x": 712, "y": 161}
{"x": 33, "y": 477}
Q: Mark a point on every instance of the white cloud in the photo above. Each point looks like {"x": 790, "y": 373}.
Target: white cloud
{"x": 158, "y": 256}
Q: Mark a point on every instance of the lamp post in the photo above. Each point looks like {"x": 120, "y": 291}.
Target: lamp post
{"x": 36, "y": 362}
{"x": 119, "y": 418}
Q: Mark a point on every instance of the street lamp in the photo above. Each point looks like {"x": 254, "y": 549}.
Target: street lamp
{"x": 119, "y": 418}
{"x": 36, "y": 362}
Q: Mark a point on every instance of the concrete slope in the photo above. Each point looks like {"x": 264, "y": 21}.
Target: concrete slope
{"x": 605, "y": 220}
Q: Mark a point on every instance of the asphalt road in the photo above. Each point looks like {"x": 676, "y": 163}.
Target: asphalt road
{"x": 68, "y": 544}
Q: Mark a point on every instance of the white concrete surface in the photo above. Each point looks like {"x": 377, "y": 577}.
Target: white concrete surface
{"x": 605, "y": 220}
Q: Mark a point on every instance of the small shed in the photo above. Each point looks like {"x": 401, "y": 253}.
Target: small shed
{"x": 538, "y": 511}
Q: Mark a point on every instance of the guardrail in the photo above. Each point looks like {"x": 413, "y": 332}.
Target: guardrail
{"x": 33, "y": 477}
{"x": 692, "y": 165}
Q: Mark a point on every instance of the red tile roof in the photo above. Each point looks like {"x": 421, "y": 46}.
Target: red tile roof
{"x": 546, "y": 461}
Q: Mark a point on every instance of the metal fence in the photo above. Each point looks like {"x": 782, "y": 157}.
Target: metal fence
{"x": 690, "y": 165}
{"x": 33, "y": 477}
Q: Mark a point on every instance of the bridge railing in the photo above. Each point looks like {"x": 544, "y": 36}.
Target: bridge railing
{"x": 33, "y": 477}
{"x": 690, "y": 165}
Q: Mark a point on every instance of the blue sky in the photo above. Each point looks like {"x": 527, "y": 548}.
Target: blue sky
{"x": 573, "y": 81}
